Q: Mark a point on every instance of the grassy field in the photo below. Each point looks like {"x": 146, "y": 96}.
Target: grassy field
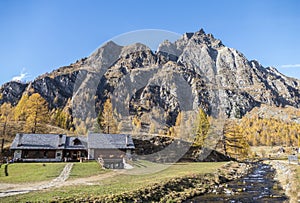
{"x": 30, "y": 172}
{"x": 81, "y": 170}
{"x": 34, "y": 172}
{"x": 122, "y": 182}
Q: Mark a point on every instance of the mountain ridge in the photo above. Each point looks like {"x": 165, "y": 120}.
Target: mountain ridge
{"x": 196, "y": 66}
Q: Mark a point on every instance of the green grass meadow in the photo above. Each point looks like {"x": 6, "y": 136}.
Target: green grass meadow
{"x": 35, "y": 172}
{"x": 30, "y": 172}
{"x": 87, "y": 169}
{"x": 120, "y": 183}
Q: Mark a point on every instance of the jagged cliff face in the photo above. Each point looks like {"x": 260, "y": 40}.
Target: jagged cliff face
{"x": 196, "y": 70}
{"x": 241, "y": 84}
{"x": 12, "y": 92}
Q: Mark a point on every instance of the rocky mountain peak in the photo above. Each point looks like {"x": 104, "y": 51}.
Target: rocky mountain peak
{"x": 107, "y": 47}
{"x": 133, "y": 48}
{"x": 103, "y": 57}
{"x": 192, "y": 40}
{"x": 201, "y": 37}
{"x": 197, "y": 66}
{"x": 187, "y": 35}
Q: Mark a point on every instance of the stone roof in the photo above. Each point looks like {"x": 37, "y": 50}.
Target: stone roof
{"x": 59, "y": 141}
{"x": 110, "y": 141}
{"x": 76, "y": 143}
{"x": 39, "y": 141}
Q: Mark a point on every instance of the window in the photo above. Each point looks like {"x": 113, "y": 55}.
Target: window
{"x": 25, "y": 154}
{"x": 77, "y": 142}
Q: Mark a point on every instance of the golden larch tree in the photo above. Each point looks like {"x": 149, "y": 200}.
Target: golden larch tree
{"x": 106, "y": 119}
{"x": 6, "y": 115}
{"x": 61, "y": 118}
{"x": 137, "y": 125}
{"x": 37, "y": 114}
{"x": 201, "y": 128}
{"x": 20, "y": 109}
{"x": 236, "y": 144}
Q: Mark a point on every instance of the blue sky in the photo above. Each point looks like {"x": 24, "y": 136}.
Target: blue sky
{"x": 39, "y": 36}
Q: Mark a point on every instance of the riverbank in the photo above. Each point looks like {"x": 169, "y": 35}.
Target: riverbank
{"x": 144, "y": 175}
{"x": 256, "y": 186}
{"x": 286, "y": 174}
{"x": 177, "y": 189}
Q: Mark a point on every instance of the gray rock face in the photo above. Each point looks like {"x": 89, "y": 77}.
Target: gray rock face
{"x": 11, "y": 92}
{"x": 241, "y": 84}
{"x": 56, "y": 90}
{"x": 196, "y": 70}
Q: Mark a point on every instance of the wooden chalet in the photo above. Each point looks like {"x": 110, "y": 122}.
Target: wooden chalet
{"x": 38, "y": 147}
{"x": 111, "y": 150}
{"x": 76, "y": 148}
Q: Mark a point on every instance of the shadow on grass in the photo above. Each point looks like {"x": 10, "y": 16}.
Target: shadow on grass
{"x": 6, "y": 170}
{"x": 139, "y": 164}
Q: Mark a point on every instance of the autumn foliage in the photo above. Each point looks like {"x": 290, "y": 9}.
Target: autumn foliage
{"x": 270, "y": 131}
{"x": 106, "y": 120}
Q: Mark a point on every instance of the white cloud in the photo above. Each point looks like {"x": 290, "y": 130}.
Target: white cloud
{"x": 22, "y": 77}
{"x": 290, "y": 66}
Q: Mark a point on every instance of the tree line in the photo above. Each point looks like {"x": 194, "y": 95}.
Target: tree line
{"x": 238, "y": 135}
{"x": 270, "y": 131}
{"x": 32, "y": 115}
{"x": 194, "y": 130}
{"x": 31, "y": 110}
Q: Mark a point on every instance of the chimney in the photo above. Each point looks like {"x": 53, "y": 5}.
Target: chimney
{"x": 60, "y": 140}
{"x": 20, "y": 139}
{"x": 127, "y": 140}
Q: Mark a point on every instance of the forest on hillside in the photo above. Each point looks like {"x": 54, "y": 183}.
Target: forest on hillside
{"x": 32, "y": 115}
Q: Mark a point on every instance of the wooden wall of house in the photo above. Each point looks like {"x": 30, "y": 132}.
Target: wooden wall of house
{"x": 38, "y": 154}
{"x": 109, "y": 153}
{"x": 113, "y": 163}
{"x": 73, "y": 155}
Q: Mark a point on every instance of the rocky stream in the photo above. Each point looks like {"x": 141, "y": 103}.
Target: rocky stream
{"x": 258, "y": 186}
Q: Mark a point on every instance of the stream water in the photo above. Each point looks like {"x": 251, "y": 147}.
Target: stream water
{"x": 257, "y": 186}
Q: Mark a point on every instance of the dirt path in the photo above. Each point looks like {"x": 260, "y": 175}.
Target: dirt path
{"x": 93, "y": 180}
{"x": 16, "y": 189}
{"x": 60, "y": 181}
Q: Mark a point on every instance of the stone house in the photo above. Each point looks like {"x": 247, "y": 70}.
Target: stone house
{"x": 111, "y": 150}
